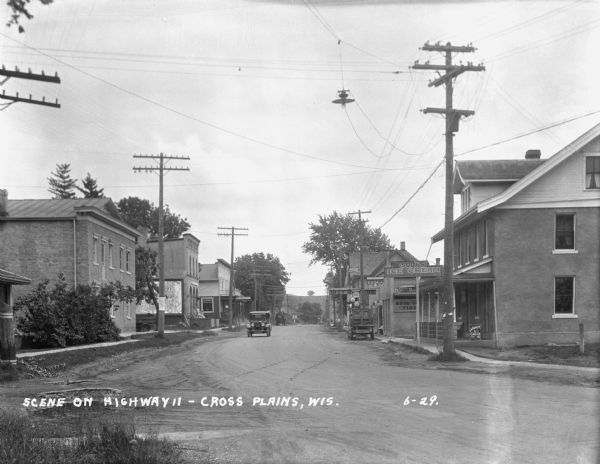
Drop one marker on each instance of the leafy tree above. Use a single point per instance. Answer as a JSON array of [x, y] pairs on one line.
[[19, 9], [140, 212], [146, 270], [309, 313], [335, 236], [61, 183], [310, 293], [90, 188], [268, 273]]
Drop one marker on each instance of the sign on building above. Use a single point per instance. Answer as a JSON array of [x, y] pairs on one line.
[[414, 270]]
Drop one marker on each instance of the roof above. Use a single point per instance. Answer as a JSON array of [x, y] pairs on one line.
[[66, 209], [542, 168], [7, 277], [376, 260], [492, 170], [58, 208]]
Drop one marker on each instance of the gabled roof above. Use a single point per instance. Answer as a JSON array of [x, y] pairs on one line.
[[510, 170], [541, 170], [374, 261], [7, 277]]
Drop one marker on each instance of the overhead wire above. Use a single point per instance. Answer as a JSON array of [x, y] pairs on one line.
[[187, 116]]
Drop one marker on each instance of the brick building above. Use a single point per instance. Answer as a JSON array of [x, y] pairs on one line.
[[83, 239], [527, 246]]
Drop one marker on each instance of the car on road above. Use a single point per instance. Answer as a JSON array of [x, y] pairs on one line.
[[259, 322]]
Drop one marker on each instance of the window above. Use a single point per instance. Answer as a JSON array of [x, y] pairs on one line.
[[128, 307], [565, 232], [563, 295], [95, 249], [592, 172], [463, 248], [472, 244], [110, 255], [465, 199], [103, 253], [127, 260], [207, 305], [121, 256]]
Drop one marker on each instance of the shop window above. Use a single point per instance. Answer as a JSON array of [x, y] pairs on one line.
[[207, 305], [564, 290], [592, 172], [565, 232]]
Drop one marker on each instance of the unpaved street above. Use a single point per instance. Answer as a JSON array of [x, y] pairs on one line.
[[364, 414]]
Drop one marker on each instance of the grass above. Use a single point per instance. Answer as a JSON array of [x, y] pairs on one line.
[[56, 363], [25, 440]]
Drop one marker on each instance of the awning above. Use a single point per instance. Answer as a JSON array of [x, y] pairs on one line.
[[7, 277]]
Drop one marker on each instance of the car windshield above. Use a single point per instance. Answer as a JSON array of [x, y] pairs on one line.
[[259, 316]]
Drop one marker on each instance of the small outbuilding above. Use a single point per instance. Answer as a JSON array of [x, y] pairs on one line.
[[8, 352]]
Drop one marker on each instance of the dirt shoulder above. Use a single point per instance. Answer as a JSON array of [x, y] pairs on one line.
[[414, 357], [545, 354]]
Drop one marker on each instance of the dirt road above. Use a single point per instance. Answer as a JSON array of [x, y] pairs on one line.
[[304, 395]]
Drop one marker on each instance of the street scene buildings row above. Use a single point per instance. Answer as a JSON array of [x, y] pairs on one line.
[[526, 256]]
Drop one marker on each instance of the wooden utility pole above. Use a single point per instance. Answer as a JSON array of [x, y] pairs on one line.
[[233, 232], [161, 168], [452, 121], [32, 77], [362, 240]]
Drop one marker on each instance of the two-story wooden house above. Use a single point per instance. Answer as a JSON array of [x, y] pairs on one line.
[[83, 239], [527, 246]]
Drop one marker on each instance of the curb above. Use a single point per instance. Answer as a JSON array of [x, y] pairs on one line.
[[474, 358]]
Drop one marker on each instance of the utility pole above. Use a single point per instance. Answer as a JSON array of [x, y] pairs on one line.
[[233, 231], [452, 122], [162, 169], [362, 240], [32, 77], [258, 271]]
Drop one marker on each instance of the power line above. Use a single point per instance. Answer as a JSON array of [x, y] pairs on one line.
[[187, 116]]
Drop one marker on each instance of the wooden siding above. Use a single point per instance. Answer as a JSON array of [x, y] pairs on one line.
[[564, 183]]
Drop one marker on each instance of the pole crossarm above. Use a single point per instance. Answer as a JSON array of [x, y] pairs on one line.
[[449, 111], [16, 98], [448, 47], [30, 76]]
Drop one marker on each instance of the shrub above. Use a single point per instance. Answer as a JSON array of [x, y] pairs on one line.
[[62, 316]]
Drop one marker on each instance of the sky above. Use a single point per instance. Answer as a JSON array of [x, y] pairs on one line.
[[244, 88]]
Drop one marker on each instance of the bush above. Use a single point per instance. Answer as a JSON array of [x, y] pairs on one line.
[[63, 316]]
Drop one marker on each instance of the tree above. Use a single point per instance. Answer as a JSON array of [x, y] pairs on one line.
[[334, 237], [268, 273], [61, 183], [309, 313], [310, 293], [146, 271], [90, 188], [142, 213], [19, 9]]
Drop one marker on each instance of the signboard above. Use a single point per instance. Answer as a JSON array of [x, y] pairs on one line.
[[414, 271], [340, 291]]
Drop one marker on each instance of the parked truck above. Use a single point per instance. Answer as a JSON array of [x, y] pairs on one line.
[[360, 322]]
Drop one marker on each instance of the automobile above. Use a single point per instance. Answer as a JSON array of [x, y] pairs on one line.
[[259, 322]]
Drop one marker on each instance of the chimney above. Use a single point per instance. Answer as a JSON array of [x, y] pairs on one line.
[[437, 261], [403, 245], [533, 154], [3, 202]]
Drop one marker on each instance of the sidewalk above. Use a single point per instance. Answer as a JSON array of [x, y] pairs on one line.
[[435, 350], [125, 335]]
